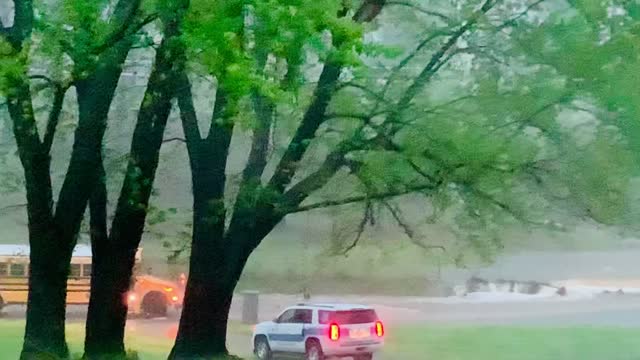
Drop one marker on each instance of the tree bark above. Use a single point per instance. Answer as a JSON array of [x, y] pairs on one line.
[[107, 315], [203, 325], [44, 332], [52, 236], [218, 256], [114, 256], [106, 318], [208, 294], [202, 331]]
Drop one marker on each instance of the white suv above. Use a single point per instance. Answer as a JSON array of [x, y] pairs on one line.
[[320, 331]]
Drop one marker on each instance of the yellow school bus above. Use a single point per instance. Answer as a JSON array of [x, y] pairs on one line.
[[148, 295]]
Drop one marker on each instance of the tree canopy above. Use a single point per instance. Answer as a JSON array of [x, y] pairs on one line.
[[487, 114]]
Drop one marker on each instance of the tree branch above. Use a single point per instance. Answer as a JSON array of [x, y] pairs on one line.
[[178, 139], [267, 214], [188, 113], [315, 181], [419, 170], [406, 228], [404, 62], [220, 124], [313, 118], [522, 14], [12, 207], [257, 161], [364, 89], [447, 103], [524, 122], [127, 29], [436, 59], [361, 198], [480, 51], [46, 79], [366, 217], [59, 92], [123, 17], [369, 10], [315, 114], [503, 206], [418, 8], [365, 117], [22, 23], [98, 212], [54, 116]]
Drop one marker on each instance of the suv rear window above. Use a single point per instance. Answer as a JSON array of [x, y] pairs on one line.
[[348, 317]]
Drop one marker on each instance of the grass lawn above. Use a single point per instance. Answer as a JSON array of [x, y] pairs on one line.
[[512, 343], [11, 333], [420, 343]]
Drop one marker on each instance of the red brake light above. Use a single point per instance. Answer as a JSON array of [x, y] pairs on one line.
[[334, 332], [379, 329]]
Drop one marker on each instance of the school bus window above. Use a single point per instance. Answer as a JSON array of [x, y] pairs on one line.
[[75, 270], [86, 270], [17, 270], [4, 268]]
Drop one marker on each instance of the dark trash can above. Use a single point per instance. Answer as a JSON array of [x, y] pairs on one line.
[[250, 307]]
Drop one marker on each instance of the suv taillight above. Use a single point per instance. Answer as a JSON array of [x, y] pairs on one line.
[[379, 329], [334, 332]]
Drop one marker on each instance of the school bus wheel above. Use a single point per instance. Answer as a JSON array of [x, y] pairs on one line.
[[154, 304]]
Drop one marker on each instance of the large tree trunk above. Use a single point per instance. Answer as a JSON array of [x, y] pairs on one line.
[[52, 236], [114, 255], [106, 319], [218, 257], [44, 333], [203, 325], [215, 268], [109, 281]]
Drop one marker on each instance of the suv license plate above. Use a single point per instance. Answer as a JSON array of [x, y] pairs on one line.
[[358, 333]]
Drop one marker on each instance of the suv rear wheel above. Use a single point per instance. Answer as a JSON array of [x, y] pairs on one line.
[[262, 349], [154, 304], [314, 351]]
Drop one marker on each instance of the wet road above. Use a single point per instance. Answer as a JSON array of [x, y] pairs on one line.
[[610, 311]]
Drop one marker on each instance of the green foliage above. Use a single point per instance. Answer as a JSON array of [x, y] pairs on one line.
[[599, 53], [12, 66], [213, 33], [503, 136], [243, 43], [491, 127], [601, 192]]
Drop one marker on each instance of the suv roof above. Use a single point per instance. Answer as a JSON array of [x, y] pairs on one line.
[[336, 306]]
